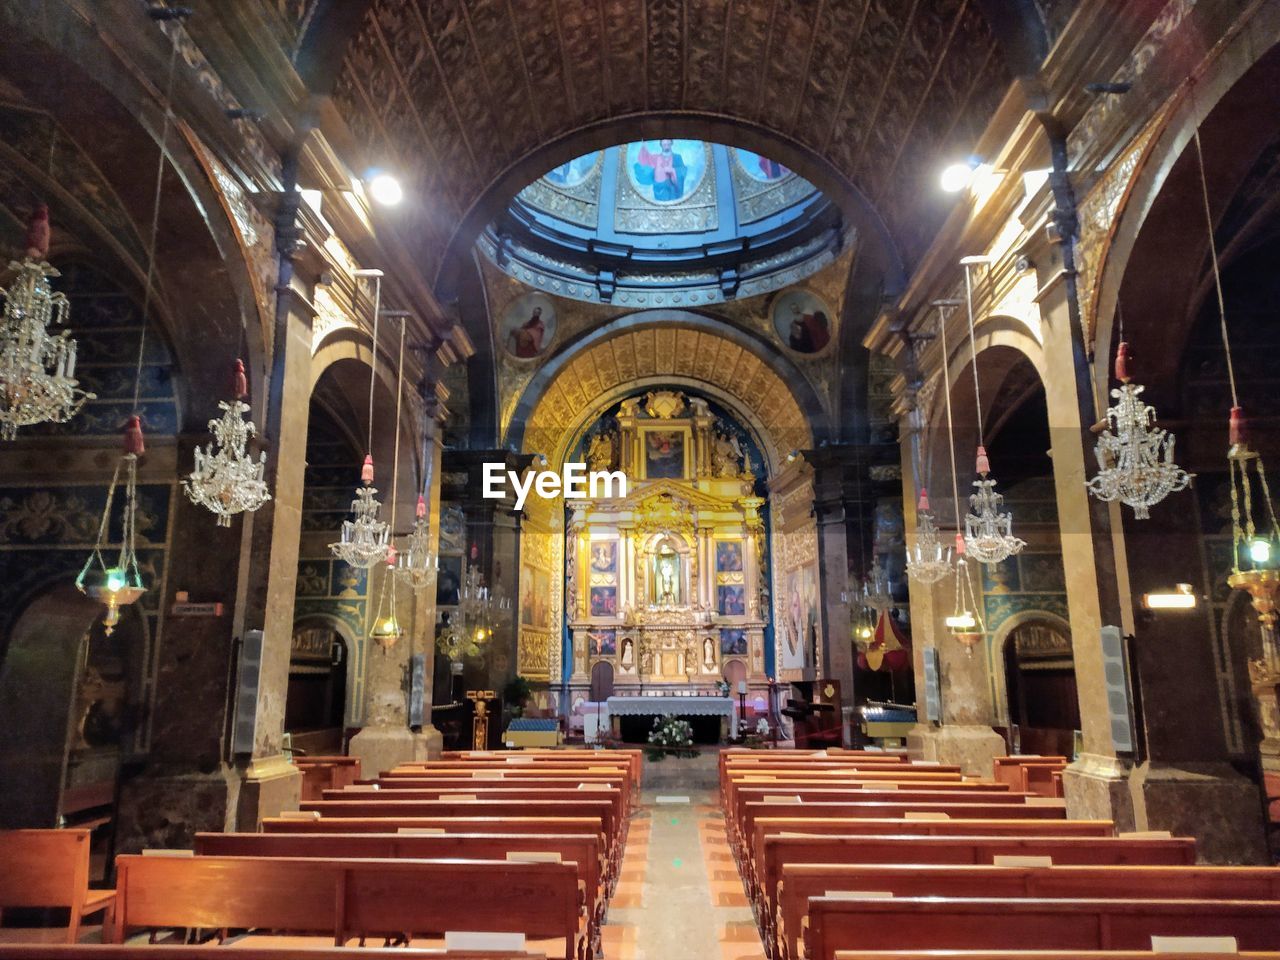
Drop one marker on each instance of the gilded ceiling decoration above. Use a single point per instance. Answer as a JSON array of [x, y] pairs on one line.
[[666, 353], [455, 92]]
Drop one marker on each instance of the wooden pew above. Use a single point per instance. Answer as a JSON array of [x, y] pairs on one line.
[[802, 881], [582, 849], [326, 773], [751, 865], [488, 791], [343, 899], [484, 779], [634, 758], [519, 759], [113, 951], [1040, 955], [50, 868], [882, 772], [606, 810], [1013, 769], [1028, 924]]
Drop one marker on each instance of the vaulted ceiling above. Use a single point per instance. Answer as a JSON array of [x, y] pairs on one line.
[[472, 98]]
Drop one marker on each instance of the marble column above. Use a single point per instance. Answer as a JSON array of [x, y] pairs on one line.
[[386, 739], [963, 732]]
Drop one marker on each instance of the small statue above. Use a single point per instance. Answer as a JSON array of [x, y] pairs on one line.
[[600, 452], [726, 455], [666, 582], [708, 653]]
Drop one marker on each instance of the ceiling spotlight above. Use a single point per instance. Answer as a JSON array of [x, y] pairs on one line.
[[957, 177], [386, 190]]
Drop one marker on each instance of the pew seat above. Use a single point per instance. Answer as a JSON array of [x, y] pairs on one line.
[[346, 898], [114, 951], [1040, 955], [908, 923], [50, 868], [801, 881]]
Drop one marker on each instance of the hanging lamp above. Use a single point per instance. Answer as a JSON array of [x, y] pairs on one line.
[[37, 366], [386, 629], [1135, 457], [121, 585], [965, 621], [929, 559], [366, 540], [988, 530], [226, 479]]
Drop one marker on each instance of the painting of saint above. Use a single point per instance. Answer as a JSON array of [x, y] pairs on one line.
[[793, 622], [448, 581], [604, 601], [728, 556], [528, 326], [604, 557], [802, 321], [541, 598], [573, 172], [664, 455], [526, 597], [731, 600], [761, 168], [733, 642], [602, 643], [668, 170]]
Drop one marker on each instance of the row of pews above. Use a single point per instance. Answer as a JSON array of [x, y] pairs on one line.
[[846, 854], [522, 843]]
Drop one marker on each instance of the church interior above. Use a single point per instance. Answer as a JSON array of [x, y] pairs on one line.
[[639, 479]]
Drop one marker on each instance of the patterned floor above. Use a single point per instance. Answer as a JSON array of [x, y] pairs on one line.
[[679, 894]]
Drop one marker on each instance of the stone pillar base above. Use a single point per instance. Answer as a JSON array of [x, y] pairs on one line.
[[1208, 801], [973, 747], [428, 743], [270, 785], [166, 805], [382, 747], [1097, 788]]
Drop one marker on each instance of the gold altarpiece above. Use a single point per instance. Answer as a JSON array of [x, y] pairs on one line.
[[665, 584]]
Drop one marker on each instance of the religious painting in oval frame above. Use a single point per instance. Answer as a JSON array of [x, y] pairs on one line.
[[803, 321], [666, 171], [528, 326], [761, 168]]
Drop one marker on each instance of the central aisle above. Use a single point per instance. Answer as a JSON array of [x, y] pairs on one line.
[[679, 895]]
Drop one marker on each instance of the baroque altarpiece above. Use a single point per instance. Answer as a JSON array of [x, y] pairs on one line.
[[667, 584]]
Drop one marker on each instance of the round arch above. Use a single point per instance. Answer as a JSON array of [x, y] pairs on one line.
[[636, 350], [1246, 68], [1002, 635]]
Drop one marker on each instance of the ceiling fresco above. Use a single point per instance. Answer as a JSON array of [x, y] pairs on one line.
[[458, 93]]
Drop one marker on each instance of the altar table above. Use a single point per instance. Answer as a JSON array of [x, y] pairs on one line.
[[723, 707]]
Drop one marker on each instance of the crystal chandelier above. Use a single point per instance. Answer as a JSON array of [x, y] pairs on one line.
[[416, 564], [988, 531], [226, 479], [470, 626], [365, 540], [120, 584], [37, 368], [1135, 457], [876, 595], [928, 558]]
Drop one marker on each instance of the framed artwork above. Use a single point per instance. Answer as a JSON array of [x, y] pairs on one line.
[[733, 641], [728, 556], [602, 643], [760, 168], [541, 598], [666, 171], [603, 601], [802, 321], [526, 596], [664, 454], [731, 600], [573, 172], [604, 556], [528, 326]]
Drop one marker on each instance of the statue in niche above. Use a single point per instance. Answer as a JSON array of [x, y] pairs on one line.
[[666, 577], [726, 455], [600, 452], [708, 654], [628, 653]]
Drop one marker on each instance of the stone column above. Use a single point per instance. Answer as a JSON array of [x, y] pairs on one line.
[[963, 735], [386, 739]]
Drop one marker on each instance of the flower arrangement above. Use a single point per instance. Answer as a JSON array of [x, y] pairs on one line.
[[722, 687], [671, 735]]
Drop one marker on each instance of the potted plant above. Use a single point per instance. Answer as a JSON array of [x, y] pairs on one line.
[[516, 694]]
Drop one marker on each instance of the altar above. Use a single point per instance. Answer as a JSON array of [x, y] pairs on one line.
[[657, 706]]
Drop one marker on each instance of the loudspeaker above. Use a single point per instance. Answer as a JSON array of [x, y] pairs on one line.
[[417, 690], [1115, 673], [246, 709], [932, 687]]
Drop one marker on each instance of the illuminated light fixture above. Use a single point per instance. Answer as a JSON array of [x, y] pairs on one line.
[[1181, 597], [386, 189], [1260, 550], [416, 564], [957, 177], [386, 629], [965, 623], [226, 479], [988, 530]]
